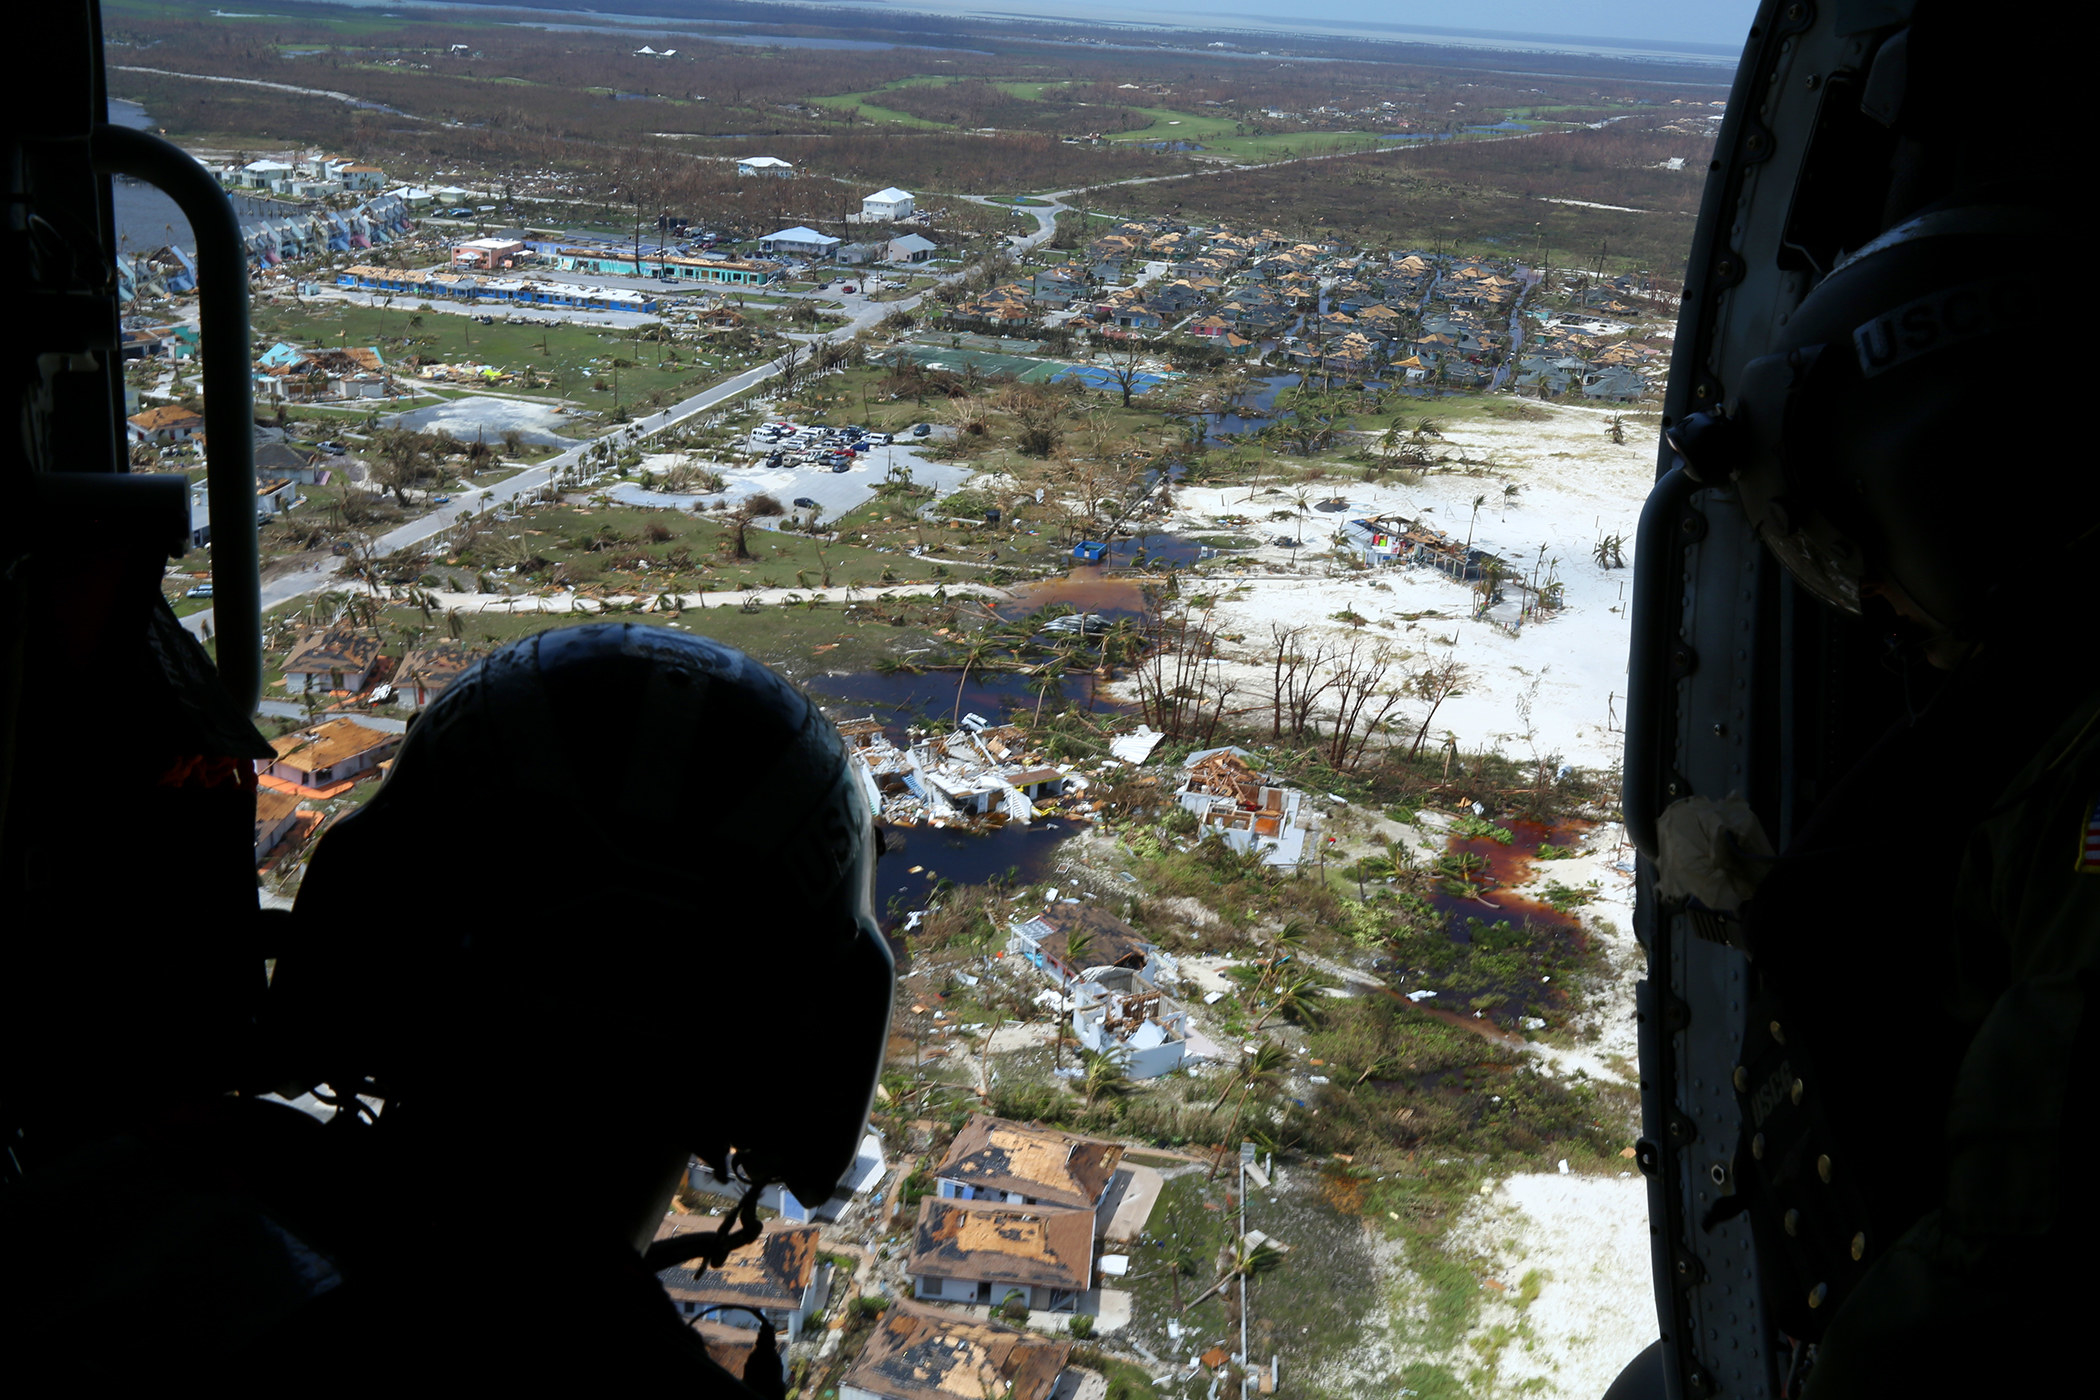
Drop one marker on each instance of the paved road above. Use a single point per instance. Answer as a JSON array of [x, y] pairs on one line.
[[297, 583]]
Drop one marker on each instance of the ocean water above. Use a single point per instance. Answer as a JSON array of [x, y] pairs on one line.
[[147, 219]]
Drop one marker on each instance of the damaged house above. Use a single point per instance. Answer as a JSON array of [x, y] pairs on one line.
[[1236, 802], [973, 774], [994, 1159], [921, 1354], [1114, 979], [1116, 1012], [778, 1274], [984, 1252], [1103, 941]]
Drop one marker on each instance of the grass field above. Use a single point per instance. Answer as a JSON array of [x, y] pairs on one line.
[[575, 361], [869, 106]]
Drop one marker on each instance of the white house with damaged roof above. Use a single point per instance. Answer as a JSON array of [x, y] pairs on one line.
[[995, 1159], [1239, 804], [1113, 975], [799, 242], [985, 1252]]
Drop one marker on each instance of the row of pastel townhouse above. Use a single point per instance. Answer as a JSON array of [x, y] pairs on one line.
[[519, 291], [269, 241]]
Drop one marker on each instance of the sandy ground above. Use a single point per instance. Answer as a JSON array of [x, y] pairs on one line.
[[1569, 673], [1587, 1238], [1556, 690]]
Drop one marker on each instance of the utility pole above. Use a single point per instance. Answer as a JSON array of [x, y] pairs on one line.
[[1246, 1361]]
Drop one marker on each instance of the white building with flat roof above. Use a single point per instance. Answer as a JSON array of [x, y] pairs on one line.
[[887, 206], [765, 165]]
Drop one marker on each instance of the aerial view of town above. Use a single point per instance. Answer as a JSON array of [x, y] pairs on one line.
[[1196, 470]]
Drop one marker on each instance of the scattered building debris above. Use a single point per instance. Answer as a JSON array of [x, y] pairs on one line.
[[1242, 806], [923, 1354]]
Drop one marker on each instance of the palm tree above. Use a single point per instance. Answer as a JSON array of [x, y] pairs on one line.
[[1259, 1259], [1104, 1077], [976, 653], [1076, 945], [1478, 502], [1257, 1070], [1509, 494], [1261, 1063], [1392, 440], [1047, 678], [984, 1056], [1296, 997]]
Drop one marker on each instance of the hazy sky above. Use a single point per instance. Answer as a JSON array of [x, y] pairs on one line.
[[1683, 21], [1723, 22]]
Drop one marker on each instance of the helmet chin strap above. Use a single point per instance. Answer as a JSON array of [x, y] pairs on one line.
[[737, 1229]]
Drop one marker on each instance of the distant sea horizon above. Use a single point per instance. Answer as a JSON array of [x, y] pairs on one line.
[[1143, 19]]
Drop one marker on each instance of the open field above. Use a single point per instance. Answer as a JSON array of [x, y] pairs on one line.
[[575, 115], [560, 362]]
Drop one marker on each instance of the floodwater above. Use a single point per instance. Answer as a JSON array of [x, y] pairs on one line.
[[1262, 400], [903, 698], [1468, 914], [146, 219], [1027, 854], [1086, 588], [1155, 549]]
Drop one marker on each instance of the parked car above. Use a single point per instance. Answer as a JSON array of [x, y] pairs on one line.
[[441, 500], [921, 429], [841, 466], [804, 503], [333, 449], [202, 590]]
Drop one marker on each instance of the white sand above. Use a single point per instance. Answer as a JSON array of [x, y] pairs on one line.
[[1587, 1238], [1575, 484]]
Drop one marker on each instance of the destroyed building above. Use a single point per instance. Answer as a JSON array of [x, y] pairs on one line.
[[1114, 978], [1116, 1012], [1047, 941], [922, 1354], [1238, 803], [975, 774]]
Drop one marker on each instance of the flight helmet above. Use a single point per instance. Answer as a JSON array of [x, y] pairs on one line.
[[631, 859], [1856, 443]]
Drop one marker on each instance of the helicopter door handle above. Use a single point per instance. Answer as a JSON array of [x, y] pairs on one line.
[[229, 421]]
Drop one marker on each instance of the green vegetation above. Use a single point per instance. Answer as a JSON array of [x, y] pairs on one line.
[[600, 369]]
